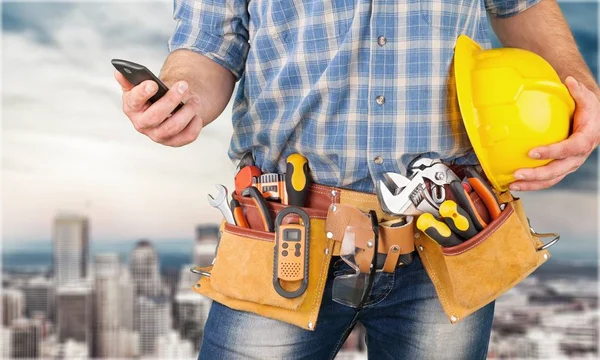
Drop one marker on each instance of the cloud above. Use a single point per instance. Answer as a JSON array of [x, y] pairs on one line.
[[66, 142]]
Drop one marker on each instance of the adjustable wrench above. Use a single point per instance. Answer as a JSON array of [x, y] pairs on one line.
[[221, 203], [411, 196]]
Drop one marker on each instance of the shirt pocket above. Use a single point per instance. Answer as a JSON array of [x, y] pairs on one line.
[[292, 22], [452, 16]]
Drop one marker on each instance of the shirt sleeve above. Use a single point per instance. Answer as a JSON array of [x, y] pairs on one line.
[[217, 29], [508, 8]]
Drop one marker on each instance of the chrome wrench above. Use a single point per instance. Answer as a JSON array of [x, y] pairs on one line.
[[409, 196], [221, 203]]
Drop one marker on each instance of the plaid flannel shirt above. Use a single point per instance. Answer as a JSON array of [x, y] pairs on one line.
[[359, 87]]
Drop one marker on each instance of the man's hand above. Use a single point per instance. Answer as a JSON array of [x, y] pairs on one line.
[[568, 154], [155, 121]]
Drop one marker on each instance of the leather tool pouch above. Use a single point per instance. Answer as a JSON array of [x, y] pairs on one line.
[[476, 272], [241, 276]]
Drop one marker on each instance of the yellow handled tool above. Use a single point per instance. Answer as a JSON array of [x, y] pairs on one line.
[[437, 230], [296, 179], [457, 219]]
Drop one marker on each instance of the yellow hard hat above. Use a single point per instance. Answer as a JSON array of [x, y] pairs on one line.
[[511, 101]]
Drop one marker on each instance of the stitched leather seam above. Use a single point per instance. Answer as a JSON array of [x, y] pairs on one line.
[[321, 285], [242, 233], [310, 216], [434, 279], [493, 229]]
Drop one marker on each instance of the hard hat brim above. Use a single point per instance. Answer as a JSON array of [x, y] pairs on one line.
[[464, 61]]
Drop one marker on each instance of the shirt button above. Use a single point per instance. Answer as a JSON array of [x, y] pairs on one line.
[[380, 99], [378, 160], [381, 40]]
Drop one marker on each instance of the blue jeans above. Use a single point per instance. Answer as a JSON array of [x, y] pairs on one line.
[[403, 320]]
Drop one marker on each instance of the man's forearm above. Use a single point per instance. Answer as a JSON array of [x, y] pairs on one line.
[[543, 30], [210, 81]]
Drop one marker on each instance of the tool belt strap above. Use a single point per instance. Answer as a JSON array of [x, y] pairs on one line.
[[392, 240]]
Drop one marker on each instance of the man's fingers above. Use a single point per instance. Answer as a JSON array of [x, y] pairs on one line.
[[135, 99], [125, 84], [584, 98], [161, 109], [578, 144], [176, 123], [534, 185], [553, 170], [188, 135]]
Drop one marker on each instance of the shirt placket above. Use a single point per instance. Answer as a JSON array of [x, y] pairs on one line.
[[379, 153]]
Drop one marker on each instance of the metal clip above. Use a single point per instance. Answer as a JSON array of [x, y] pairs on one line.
[[545, 235], [199, 272]]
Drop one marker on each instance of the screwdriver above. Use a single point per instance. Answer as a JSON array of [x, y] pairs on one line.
[[296, 179], [437, 230], [457, 219]]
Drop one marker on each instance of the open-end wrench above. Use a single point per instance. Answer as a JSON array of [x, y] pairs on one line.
[[221, 203]]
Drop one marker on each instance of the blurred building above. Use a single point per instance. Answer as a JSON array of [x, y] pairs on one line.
[[70, 242], [191, 309], [74, 314], [127, 344], [154, 321], [172, 346], [145, 270], [39, 297], [72, 350], [106, 305], [126, 300], [206, 244], [5, 342], [13, 305], [25, 338]]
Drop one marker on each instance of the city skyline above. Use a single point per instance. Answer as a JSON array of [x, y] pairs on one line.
[[104, 305]]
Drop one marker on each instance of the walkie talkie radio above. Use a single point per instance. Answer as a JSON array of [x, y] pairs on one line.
[[291, 251]]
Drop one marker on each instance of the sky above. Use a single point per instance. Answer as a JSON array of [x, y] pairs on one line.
[[67, 147]]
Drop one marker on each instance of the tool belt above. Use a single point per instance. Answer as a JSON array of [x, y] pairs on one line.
[[466, 277]]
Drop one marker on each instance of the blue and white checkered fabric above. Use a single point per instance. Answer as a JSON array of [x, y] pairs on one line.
[[359, 87]]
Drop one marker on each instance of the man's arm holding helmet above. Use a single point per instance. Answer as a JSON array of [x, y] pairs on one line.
[[543, 30]]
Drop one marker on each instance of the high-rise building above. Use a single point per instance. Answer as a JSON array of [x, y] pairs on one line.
[[13, 305], [75, 313], [6, 342], [70, 242], [206, 244], [26, 339], [171, 346], [126, 300], [106, 305], [191, 309], [154, 321], [128, 344], [145, 271], [39, 297], [72, 349]]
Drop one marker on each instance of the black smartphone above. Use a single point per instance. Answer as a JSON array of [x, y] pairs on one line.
[[136, 74]]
